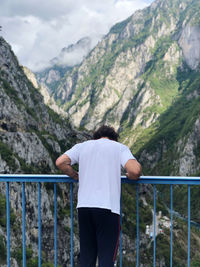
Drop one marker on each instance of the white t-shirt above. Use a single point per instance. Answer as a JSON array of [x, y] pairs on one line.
[[100, 164]]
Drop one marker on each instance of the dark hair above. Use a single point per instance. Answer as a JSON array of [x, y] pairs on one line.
[[105, 131]]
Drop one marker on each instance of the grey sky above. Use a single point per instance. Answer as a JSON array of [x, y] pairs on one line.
[[38, 29]]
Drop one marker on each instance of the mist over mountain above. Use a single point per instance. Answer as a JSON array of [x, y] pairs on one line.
[[68, 57], [73, 54]]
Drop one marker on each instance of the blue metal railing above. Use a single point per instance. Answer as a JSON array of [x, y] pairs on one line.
[[171, 235], [62, 178]]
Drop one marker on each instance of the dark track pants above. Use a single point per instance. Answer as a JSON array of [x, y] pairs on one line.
[[99, 235]]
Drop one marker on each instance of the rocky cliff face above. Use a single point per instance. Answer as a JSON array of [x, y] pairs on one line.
[[25, 121], [31, 137], [42, 88], [190, 44], [174, 147]]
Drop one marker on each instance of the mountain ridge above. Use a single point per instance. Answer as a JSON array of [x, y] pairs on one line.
[[90, 81]]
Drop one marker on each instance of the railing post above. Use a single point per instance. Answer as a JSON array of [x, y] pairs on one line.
[[154, 226], [39, 225], [55, 225], [188, 225], [8, 222], [171, 240], [72, 223], [24, 223], [120, 243], [138, 244]]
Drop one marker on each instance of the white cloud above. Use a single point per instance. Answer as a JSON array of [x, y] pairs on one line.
[[37, 30]]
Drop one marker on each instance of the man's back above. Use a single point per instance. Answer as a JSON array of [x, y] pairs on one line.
[[99, 172]]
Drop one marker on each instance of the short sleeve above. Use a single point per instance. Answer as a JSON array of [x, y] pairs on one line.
[[125, 155], [73, 153]]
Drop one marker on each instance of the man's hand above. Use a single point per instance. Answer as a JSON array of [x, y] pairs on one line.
[[133, 169], [64, 164]]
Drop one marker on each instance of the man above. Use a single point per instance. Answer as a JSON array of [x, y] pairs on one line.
[[100, 162]]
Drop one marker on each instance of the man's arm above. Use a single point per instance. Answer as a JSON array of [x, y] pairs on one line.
[[133, 169], [64, 164]]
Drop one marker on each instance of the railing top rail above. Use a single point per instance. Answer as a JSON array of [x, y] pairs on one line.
[[55, 178], [66, 179], [164, 180]]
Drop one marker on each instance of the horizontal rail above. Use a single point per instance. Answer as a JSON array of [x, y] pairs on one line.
[[67, 179]]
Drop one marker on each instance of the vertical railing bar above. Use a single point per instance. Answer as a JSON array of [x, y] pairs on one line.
[[171, 239], [188, 225], [55, 225], [154, 226], [39, 224], [8, 222], [120, 241], [72, 223], [24, 223], [138, 225]]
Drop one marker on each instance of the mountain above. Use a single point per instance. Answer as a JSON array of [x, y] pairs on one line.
[[136, 72]]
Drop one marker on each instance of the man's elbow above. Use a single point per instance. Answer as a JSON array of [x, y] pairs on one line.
[[135, 173], [61, 163]]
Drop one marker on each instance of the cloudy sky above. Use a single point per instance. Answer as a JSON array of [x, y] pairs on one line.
[[37, 30]]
